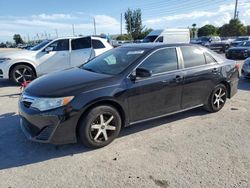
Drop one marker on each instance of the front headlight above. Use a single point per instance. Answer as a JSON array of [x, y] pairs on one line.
[[44, 104], [4, 59]]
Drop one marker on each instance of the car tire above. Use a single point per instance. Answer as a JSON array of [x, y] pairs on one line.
[[22, 73], [217, 99], [100, 126]]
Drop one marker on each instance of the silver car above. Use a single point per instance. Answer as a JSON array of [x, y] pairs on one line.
[[245, 71]]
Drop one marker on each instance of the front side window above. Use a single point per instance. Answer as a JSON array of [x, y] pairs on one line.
[[161, 61], [114, 61], [192, 56], [60, 45], [81, 43], [160, 39]]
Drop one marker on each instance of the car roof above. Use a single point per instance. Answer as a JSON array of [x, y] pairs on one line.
[[155, 45], [77, 37]]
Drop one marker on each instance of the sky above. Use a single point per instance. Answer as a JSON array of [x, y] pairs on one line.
[[35, 19]]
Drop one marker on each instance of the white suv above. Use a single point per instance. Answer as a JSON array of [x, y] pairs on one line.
[[50, 56]]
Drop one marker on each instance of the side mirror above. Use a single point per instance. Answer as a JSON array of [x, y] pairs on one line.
[[141, 73], [48, 49]]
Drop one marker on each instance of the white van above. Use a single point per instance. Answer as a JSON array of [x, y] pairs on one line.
[[169, 36]]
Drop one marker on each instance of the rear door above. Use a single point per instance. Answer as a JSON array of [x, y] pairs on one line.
[[200, 74], [160, 93], [81, 51]]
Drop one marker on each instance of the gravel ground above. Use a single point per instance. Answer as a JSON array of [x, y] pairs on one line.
[[190, 149]]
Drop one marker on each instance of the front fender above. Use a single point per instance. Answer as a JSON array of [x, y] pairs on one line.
[[12, 63]]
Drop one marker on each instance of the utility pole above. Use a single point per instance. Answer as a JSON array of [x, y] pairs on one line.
[[235, 9], [56, 34], [129, 24], [121, 23], [237, 14], [94, 27], [73, 29]]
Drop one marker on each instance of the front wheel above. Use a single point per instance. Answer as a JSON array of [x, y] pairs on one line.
[[217, 99], [100, 126], [22, 73]]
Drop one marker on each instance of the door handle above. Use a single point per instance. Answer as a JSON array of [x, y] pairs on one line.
[[178, 78]]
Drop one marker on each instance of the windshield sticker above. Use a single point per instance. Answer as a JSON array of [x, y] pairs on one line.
[[135, 52]]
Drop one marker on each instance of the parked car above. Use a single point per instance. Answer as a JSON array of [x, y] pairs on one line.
[[245, 71], [124, 86], [239, 40], [219, 46], [50, 56], [206, 40], [241, 51], [168, 36]]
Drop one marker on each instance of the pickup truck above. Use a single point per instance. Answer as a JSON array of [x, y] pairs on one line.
[[49, 56]]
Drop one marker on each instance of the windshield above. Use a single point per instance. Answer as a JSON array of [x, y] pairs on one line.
[[204, 39], [247, 43], [150, 38], [114, 61], [40, 45], [241, 39]]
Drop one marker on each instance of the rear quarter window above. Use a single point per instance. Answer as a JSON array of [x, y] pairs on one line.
[[97, 44]]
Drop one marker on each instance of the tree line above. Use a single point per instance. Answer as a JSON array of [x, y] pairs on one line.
[[135, 29], [233, 28]]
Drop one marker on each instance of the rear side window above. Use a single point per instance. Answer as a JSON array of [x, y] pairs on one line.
[[192, 56], [161, 61], [97, 44], [80, 43]]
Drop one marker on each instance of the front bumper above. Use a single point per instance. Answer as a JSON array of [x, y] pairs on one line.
[[55, 126], [4, 70]]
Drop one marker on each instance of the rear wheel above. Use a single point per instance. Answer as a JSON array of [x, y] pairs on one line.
[[100, 126], [22, 73], [217, 98]]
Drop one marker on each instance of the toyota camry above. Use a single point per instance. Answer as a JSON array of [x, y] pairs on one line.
[[124, 86]]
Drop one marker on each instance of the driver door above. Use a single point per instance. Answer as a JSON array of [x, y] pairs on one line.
[[159, 94], [56, 59]]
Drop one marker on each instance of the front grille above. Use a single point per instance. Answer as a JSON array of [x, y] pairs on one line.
[[33, 130]]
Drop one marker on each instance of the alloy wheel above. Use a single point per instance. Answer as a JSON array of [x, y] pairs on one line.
[[219, 98], [22, 75], [102, 128]]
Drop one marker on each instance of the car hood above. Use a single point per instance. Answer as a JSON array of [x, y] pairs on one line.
[[69, 82], [239, 48], [17, 54]]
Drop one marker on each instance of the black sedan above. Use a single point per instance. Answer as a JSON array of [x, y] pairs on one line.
[[242, 51], [124, 86]]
